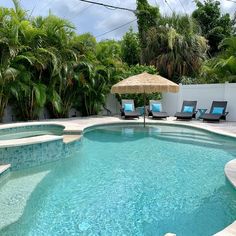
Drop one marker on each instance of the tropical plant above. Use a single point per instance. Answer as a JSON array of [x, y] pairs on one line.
[[234, 24], [215, 25], [147, 16], [174, 50], [223, 67], [44, 63], [59, 77], [9, 51], [94, 88], [130, 48], [97, 76], [29, 89]]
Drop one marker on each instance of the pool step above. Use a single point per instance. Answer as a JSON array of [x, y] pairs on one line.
[[4, 173], [4, 168], [71, 138]]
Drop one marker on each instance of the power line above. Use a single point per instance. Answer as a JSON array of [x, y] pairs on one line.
[[182, 6], [32, 11], [165, 1], [49, 3], [156, 3], [107, 5], [231, 1], [74, 5], [80, 12], [119, 27]]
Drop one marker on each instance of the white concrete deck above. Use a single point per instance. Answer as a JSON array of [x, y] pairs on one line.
[[228, 231], [28, 141], [70, 138], [230, 172], [77, 125]]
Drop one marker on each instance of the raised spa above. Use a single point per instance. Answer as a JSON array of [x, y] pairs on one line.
[[27, 131]]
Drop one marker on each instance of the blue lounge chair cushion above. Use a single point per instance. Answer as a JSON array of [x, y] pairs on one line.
[[128, 107], [156, 107], [218, 110], [188, 109]]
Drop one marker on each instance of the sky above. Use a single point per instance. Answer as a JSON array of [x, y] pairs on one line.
[[98, 20]]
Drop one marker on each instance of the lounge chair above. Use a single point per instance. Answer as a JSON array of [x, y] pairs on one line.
[[155, 110], [188, 111], [217, 112], [128, 109]]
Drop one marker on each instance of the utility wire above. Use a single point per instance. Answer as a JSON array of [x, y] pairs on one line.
[[32, 11], [168, 5], [74, 5], [49, 3], [182, 6], [109, 6], [231, 1], [80, 12], [119, 27]]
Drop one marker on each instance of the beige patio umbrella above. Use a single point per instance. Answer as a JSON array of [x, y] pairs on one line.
[[145, 83]]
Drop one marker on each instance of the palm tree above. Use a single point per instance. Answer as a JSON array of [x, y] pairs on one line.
[[223, 67], [60, 76], [9, 51], [175, 50]]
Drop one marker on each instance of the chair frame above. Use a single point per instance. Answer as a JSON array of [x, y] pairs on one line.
[[157, 115], [133, 114], [184, 115], [215, 117]]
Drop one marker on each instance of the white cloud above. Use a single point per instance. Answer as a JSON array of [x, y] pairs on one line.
[[97, 19]]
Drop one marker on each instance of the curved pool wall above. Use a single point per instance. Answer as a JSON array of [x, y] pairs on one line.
[[33, 145], [21, 157]]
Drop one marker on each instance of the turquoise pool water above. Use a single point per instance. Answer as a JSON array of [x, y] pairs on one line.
[[126, 181]]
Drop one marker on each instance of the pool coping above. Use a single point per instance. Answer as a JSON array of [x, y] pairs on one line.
[[70, 127], [230, 172], [228, 231], [29, 141]]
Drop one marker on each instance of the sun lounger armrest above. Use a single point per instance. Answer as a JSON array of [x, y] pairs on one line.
[[122, 110], [226, 113]]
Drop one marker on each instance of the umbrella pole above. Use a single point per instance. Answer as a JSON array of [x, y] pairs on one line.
[[144, 110]]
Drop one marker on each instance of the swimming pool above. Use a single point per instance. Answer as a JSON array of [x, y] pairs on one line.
[[126, 181]]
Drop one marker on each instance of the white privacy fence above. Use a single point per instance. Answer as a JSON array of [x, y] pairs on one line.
[[204, 94]]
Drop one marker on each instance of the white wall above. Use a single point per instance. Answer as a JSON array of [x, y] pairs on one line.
[[10, 117], [112, 104], [204, 94]]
